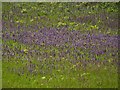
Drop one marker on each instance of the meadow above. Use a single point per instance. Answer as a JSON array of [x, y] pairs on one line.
[[60, 45]]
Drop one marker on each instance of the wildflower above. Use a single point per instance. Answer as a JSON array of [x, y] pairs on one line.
[[84, 74], [62, 78], [43, 77], [50, 56], [50, 79], [41, 84], [25, 51], [31, 20], [58, 70]]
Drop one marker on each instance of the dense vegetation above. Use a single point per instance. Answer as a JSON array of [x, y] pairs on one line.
[[56, 45]]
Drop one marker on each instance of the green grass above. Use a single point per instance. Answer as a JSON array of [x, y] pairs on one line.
[[64, 73], [67, 75], [0, 73], [92, 77], [48, 17]]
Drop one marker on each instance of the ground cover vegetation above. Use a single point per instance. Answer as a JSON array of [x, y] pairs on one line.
[[60, 45]]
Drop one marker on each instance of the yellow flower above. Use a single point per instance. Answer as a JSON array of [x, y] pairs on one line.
[[50, 56], [31, 20], [25, 51], [43, 77]]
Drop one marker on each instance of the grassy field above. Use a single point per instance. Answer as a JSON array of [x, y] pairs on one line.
[[59, 45]]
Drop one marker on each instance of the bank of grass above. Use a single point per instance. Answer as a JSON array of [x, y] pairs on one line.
[[16, 71], [47, 72], [0, 73], [92, 77]]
